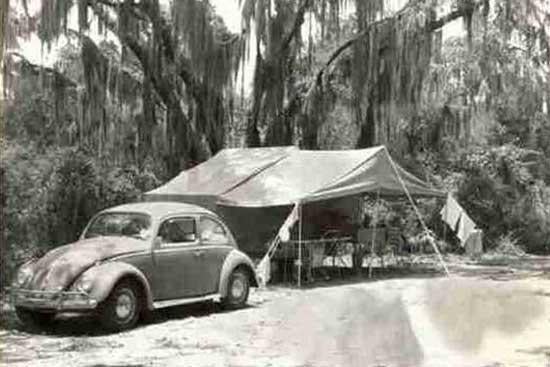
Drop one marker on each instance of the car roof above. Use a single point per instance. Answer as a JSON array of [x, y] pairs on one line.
[[159, 209]]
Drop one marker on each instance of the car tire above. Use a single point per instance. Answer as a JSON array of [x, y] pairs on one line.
[[238, 287], [121, 309], [34, 319]]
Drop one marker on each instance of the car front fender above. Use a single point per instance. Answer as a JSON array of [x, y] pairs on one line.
[[234, 260], [104, 277]]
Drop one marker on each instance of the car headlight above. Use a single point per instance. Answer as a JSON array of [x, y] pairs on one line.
[[23, 275], [84, 284]]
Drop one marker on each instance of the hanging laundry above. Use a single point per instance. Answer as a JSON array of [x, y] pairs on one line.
[[284, 231], [465, 227], [451, 212], [263, 271]]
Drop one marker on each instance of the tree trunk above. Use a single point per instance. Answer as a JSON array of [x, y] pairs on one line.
[[3, 232], [252, 131], [310, 133], [367, 133], [211, 115], [146, 124]]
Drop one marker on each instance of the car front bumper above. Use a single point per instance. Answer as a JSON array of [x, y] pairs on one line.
[[51, 300]]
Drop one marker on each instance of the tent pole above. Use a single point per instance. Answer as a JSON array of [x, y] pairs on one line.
[[373, 227], [299, 245], [285, 279], [445, 226], [422, 223]]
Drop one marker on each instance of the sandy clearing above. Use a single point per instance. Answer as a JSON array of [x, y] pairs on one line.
[[400, 322]]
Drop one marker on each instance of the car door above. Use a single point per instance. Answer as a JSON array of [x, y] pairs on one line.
[[177, 258], [216, 243]]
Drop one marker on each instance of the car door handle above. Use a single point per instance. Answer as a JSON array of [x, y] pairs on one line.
[[198, 253]]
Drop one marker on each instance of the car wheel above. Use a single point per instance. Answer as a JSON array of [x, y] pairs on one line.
[[121, 309], [34, 319], [238, 288]]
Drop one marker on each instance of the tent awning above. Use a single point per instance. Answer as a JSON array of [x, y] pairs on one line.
[[263, 177]]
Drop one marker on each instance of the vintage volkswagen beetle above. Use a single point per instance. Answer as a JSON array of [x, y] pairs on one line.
[[135, 258]]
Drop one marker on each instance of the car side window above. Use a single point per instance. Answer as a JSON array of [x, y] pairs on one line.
[[177, 231], [212, 232]]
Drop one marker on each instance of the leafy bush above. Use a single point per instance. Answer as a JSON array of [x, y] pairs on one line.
[[503, 195], [50, 196]]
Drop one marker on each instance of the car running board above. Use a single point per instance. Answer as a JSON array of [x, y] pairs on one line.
[[185, 301]]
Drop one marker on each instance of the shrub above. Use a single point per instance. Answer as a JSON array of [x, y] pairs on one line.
[[503, 195], [49, 196]]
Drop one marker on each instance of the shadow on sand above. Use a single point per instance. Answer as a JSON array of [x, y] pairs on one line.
[[87, 325]]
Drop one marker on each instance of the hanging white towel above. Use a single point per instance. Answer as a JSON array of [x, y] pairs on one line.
[[263, 271], [465, 227], [284, 231], [451, 212]]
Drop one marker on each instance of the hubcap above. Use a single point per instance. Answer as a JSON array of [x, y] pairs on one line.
[[237, 288], [125, 305]]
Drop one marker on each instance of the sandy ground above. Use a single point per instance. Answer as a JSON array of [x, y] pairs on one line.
[[430, 321]]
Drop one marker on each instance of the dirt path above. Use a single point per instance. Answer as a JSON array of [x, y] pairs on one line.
[[401, 322]]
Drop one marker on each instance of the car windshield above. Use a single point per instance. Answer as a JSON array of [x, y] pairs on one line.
[[135, 225]]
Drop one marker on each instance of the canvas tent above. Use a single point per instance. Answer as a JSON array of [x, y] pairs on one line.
[[254, 189], [269, 177]]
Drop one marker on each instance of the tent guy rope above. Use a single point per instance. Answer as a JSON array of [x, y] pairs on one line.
[[422, 223]]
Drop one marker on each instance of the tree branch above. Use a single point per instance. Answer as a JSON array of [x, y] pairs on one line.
[[40, 68], [439, 23], [137, 48], [116, 5], [432, 26], [334, 55], [183, 68], [298, 21]]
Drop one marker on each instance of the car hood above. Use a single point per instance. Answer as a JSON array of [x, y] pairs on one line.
[[59, 268]]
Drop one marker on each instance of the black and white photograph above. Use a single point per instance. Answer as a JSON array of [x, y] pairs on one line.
[[275, 183]]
